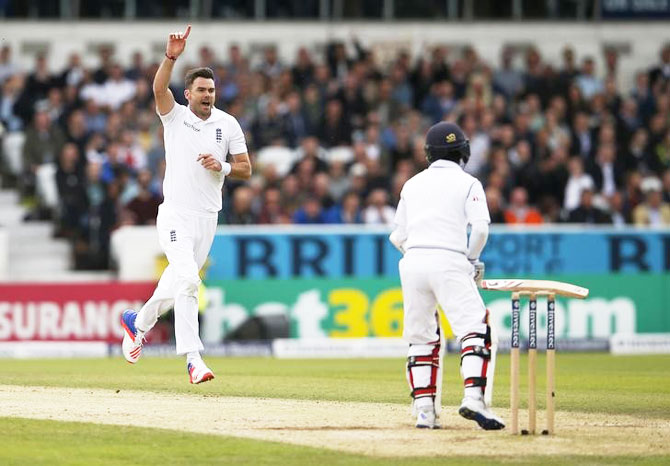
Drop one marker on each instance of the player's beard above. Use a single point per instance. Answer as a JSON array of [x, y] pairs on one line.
[[205, 110], [201, 110]]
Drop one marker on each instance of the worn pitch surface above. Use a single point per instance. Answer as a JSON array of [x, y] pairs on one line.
[[376, 429]]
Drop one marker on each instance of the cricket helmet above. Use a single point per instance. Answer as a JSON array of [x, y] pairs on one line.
[[447, 141]]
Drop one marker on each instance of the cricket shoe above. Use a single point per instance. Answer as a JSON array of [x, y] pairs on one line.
[[198, 372], [426, 418], [133, 339], [474, 409]]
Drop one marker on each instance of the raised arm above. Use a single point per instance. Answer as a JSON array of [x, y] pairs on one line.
[[163, 95]]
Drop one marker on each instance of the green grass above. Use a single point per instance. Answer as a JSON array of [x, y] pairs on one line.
[[638, 386], [32, 442], [584, 382]]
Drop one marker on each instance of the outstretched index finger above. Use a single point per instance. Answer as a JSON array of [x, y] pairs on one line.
[[188, 31]]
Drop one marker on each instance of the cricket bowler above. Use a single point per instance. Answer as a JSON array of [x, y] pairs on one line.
[[198, 138]]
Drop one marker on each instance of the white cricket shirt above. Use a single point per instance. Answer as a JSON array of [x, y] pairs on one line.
[[436, 207], [188, 186]]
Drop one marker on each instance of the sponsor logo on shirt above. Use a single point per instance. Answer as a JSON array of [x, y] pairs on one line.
[[219, 135], [189, 125], [173, 236]]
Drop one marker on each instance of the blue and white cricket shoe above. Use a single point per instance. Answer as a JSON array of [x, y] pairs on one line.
[[198, 372], [132, 338], [426, 418], [475, 410]]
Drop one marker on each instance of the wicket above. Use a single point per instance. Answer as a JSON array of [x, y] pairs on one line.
[[533, 289], [532, 362]]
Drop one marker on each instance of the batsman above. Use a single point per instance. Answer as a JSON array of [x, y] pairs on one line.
[[440, 265]]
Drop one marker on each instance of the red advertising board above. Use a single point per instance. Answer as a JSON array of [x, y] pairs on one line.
[[67, 311]]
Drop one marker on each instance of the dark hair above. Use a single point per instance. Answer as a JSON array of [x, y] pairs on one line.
[[203, 72]]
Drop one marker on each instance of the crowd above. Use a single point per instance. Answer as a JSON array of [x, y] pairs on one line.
[[335, 137]]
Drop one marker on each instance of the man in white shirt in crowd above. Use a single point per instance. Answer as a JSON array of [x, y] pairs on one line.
[[198, 139], [440, 266]]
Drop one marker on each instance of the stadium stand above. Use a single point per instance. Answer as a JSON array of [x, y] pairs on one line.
[[334, 136]]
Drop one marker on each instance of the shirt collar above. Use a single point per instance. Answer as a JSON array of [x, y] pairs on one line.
[[216, 115], [442, 163]]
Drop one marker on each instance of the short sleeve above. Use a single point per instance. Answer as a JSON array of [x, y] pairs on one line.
[[170, 116], [476, 208], [238, 144]]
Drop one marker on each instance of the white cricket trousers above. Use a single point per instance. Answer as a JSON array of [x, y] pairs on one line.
[[186, 240], [432, 276]]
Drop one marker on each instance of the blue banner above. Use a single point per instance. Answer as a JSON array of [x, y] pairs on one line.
[[262, 253], [635, 9]]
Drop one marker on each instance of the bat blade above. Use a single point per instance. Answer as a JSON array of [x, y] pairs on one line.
[[540, 287]]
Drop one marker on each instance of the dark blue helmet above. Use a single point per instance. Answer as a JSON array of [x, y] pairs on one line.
[[447, 141]]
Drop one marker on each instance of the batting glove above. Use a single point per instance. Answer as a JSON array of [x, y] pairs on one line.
[[479, 271]]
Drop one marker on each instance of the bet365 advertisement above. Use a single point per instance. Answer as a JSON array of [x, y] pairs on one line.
[[346, 284]]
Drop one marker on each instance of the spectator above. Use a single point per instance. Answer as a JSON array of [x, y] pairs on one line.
[[519, 211], [74, 73], [296, 125], [347, 212], [240, 212], [132, 154], [402, 149], [338, 62], [508, 80], [321, 190], [643, 96], [143, 208], [310, 151], [137, 68], [117, 89], [7, 67], [92, 247], [334, 130], [71, 192], [653, 211], [11, 91], [638, 157], [661, 72], [606, 172], [311, 212], [616, 211], [661, 153], [586, 212], [666, 185], [272, 210], [494, 202], [440, 102], [37, 87], [303, 70], [236, 64], [577, 183], [101, 74], [268, 128], [44, 141], [378, 211], [583, 143], [588, 83], [339, 181], [568, 71], [271, 66]]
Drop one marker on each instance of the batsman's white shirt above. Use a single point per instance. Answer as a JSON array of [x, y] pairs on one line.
[[433, 214], [186, 220], [188, 186]]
